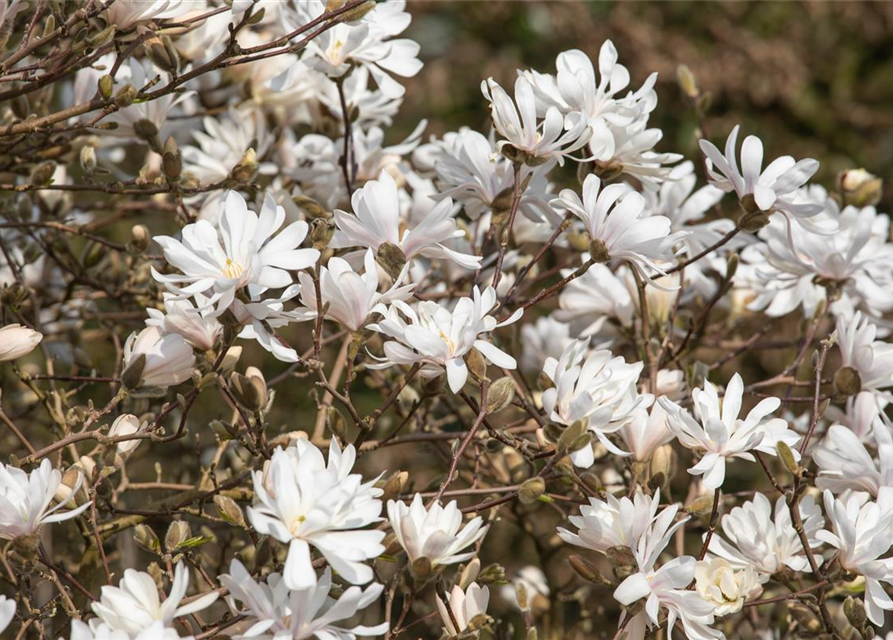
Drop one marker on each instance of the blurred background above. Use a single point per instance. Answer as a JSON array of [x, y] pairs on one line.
[[809, 78]]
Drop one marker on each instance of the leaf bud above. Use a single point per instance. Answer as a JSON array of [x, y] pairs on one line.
[[500, 394], [531, 490]]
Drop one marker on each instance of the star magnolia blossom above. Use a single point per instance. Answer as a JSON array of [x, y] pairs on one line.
[[844, 462], [377, 221], [350, 297], [645, 432], [615, 523], [461, 607], [7, 612], [871, 359], [25, 499], [167, 360], [201, 330], [242, 254], [93, 631], [716, 429], [434, 533], [276, 612], [17, 341], [597, 296], [598, 388], [555, 137], [753, 538], [615, 219], [134, 605], [772, 189], [438, 338], [126, 13], [718, 583], [305, 501], [860, 531]]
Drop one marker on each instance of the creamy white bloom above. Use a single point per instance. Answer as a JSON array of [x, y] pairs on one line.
[[25, 499], [462, 607], [717, 430], [645, 432], [134, 605], [125, 425], [597, 296], [754, 538], [871, 359], [199, 329], [615, 523], [773, 189], [223, 143], [127, 13], [437, 337], [860, 531], [101, 631], [144, 120], [17, 341], [435, 533], [7, 612], [717, 582], [368, 42], [243, 254], [544, 339], [516, 121], [844, 462], [861, 414], [377, 221], [596, 387], [167, 360], [279, 613], [303, 500], [350, 297], [614, 218]]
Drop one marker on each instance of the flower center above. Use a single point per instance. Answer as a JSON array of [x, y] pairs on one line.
[[233, 269], [296, 524], [449, 342]]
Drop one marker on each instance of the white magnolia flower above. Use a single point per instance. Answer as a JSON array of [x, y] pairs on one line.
[[615, 219], [134, 605], [144, 120], [773, 189], [861, 413], [717, 430], [462, 607], [645, 432], [753, 538], [368, 42], [7, 612], [860, 531], [127, 13], [101, 631], [199, 329], [597, 296], [871, 359], [517, 122], [434, 533], [25, 499], [17, 341], [377, 221], [666, 587], [844, 462], [856, 262], [303, 500], [717, 582], [160, 360], [223, 143], [596, 387], [350, 297], [534, 582], [244, 254], [279, 613], [615, 523], [544, 339], [438, 338]]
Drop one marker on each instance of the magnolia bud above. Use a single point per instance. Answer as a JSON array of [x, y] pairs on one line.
[[469, 573], [103, 37], [146, 539], [246, 168], [847, 381], [148, 131], [43, 173], [860, 188], [229, 510], [249, 391], [133, 374], [571, 436], [171, 162], [609, 170], [420, 569], [598, 251], [531, 490], [358, 12], [854, 611], [686, 80], [623, 560], [392, 488], [161, 51], [106, 86], [321, 232], [787, 457], [139, 238], [492, 573], [586, 570], [88, 158], [500, 394], [177, 533], [752, 221], [391, 258], [310, 207], [701, 506]]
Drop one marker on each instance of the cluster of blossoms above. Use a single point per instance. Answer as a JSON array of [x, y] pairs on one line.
[[561, 347]]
